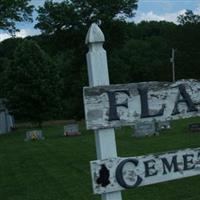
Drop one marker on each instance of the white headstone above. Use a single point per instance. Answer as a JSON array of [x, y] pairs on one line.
[[142, 129], [34, 135], [72, 129], [163, 125], [6, 120]]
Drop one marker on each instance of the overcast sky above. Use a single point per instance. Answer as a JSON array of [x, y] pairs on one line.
[[147, 10]]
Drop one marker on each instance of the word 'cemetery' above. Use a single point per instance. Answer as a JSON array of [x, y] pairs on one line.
[[125, 173]]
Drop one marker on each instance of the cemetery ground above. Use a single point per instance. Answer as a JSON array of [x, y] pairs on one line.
[[57, 168]]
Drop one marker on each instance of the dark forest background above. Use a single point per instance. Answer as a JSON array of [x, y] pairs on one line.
[[42, 77]]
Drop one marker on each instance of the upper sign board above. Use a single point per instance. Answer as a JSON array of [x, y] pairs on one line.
[[119, 105]]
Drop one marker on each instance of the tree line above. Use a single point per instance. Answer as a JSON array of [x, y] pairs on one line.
[[42, 76]]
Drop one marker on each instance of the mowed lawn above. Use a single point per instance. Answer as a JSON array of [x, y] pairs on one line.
[[57, 168]]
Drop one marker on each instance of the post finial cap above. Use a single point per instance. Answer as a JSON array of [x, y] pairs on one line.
[[94, 35]]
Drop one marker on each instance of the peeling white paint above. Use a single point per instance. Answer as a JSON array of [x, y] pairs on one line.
[[131, 172], [159, 93]]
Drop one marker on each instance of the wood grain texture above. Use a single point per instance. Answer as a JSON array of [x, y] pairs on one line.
[[150, 168], [98, 75], [96, 103]]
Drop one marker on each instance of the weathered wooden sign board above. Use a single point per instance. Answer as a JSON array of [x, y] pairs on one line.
[[116, 174], [109, 106], [120, 105]]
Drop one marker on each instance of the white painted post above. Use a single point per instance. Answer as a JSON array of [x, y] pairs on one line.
[[98, 75]]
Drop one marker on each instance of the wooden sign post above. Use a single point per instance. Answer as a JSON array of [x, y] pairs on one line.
[[98, 76], [109, 106]]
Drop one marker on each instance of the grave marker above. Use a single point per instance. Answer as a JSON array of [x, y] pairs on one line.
[[163, 125], [72, 129], [142, 129], [6, 120], [194, 127], [34, 135]]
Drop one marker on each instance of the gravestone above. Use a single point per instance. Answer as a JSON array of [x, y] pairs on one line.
[[34, 135], [142, 129], [72, 129], [163, 125], [6, 120], [194, 127]]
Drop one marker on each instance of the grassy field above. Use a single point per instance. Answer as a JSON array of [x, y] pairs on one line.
[[57, 168]]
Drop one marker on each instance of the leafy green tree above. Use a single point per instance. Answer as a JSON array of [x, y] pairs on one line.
[[188, 17], [74, 77], [140, 60], [8, 46], [187, 55], [67, 15], [33, 87], [12, 11], [7, 49], [56, 16], [4, 63]]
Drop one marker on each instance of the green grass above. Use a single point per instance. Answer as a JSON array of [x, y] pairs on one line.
[[57, 168]]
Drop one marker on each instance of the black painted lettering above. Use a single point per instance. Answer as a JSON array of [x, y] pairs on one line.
[[168, 166], [120, 177], [143, 92], [150, 168], [103, 179], [188, 163], [113, 115], [186, 99], [198, 156]]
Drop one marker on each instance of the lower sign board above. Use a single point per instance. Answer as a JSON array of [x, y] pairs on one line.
[[116, 174]]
